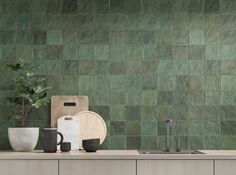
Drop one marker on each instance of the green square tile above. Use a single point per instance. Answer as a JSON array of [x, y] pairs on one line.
[[101, 22], [181, 21], [228, 52], [132, 6], [24, 37], [117, 7], [196, 112], [117, 142], [133, 142], [164, 98], [23, 7], [117, 98], [180, 7], [7, 37], [166, 37], [165, 112], [181, 36], [181, 98], [196, 83], [180, 128], [102, 68], [40, 37], [212, 67], [227, 112], [212, 128], [212, 6], [39, 22], [86, 36], [149, 51], [101, 52], [212, 37], [212, 83], [25, 52], [86, 51], [196, 6], [180, 52], [117, 22], [149, 82], [161, 126], [101, 6], [39, 54], [196, 128], [149, 21], [71, 68], [228, 127], [197, 21], [23, 22], [85, 21], [149, 113], [181, 83], [117, 127], [149, 67], [54, 37], [212, 142], [165, 82], [133, 97], [212, 113], [117, 82], [102, 83], [54, 6], [180, 67], [150, 6], [165, 67], [165, 22], [7, 22], [227, 142], [133, 67], [54, 67], [39, 6], [212, 97], [149, 98], [196, 98], [7, 52], [132, 113], [85, 6], [117, 52], [196, 36], [149, 142], [227, 98], [134, 37], [228, 21], [149, 37], [133, 128], [70, 51], [149, 127], [196, 142], [102, 97], [117, 37], [212, 21], [228, 83], [117, 113], [212, 52], [180, 112], [70, 24], [196, 52], [54, 22], [104, 111], [228, 37], [133, 21], [117, 67], [228, 67], [69, 6], [228, 6], [86, 82], [133, 51], [101, 37], [196, 67]]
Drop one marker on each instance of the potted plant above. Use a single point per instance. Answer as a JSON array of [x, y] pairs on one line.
[[29, 93]]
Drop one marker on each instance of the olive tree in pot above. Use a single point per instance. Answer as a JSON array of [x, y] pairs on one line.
[[29, 92]]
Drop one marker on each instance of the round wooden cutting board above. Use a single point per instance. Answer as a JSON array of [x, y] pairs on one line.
[[92, 125]]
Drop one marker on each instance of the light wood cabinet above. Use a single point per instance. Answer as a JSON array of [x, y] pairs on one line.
[[28, 167], [175, 167], [225, 167], [98, 167]]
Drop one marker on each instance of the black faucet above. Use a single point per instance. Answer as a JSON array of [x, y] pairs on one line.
[[168, 134]]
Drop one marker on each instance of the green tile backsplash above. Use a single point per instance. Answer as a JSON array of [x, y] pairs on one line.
[[139, 61]]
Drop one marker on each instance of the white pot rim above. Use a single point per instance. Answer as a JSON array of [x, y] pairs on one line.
[[23, 128]]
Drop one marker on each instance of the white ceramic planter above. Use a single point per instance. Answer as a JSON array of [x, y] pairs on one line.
[[23, 139]]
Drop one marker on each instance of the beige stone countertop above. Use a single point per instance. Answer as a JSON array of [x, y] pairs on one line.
[[116, 154]]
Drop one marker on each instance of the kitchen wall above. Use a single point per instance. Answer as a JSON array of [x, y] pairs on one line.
[[139, 61]]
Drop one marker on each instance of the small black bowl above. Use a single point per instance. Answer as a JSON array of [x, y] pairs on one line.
[[91, 145], [65, 146]]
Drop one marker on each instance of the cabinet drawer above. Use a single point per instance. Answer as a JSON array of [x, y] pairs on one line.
[[225, 167], [175, 167], [97, 167], [28, 167]]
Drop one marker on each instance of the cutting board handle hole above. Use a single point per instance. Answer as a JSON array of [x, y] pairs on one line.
[[69, 104]]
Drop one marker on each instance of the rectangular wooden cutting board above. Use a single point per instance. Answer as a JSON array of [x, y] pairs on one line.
[[67, 105]]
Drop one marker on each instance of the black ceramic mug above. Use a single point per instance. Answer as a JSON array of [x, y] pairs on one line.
[[50, 140]]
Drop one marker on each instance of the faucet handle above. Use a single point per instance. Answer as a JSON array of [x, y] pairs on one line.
[[169, 121]]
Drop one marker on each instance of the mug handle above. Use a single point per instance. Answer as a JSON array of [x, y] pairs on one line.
[[62, 138]]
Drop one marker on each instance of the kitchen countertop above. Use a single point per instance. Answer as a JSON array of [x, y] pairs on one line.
[[117, 154]]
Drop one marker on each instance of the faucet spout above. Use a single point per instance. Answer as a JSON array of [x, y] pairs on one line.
[[168, 134]]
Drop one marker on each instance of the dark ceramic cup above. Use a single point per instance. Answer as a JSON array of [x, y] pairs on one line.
[[65, 147], [91, 145], [50, 140]]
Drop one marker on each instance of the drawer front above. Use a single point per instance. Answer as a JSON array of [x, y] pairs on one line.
[[175, 167], [28, 167], [97, 167], [225, 167]]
